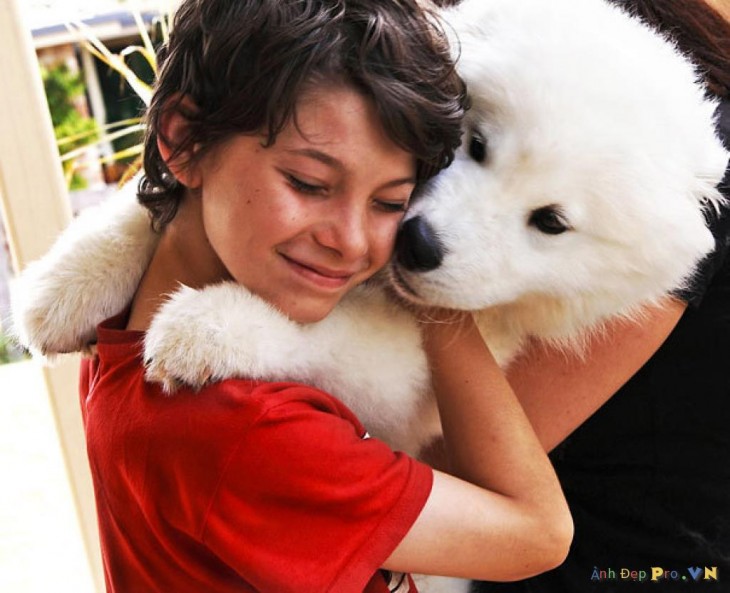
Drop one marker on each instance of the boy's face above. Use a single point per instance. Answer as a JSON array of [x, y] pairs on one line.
[[303, 221]]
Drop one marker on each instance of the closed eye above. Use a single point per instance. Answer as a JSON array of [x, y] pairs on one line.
[[396, 207], [303, 187]]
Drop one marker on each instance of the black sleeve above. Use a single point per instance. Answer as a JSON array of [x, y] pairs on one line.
[[719, 224]]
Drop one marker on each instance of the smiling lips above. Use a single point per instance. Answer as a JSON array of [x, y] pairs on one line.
[[320, 276]]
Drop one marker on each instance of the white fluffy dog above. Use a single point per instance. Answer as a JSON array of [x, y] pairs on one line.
[[578, 195]]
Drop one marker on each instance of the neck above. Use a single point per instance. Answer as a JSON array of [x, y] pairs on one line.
[[183, 256]]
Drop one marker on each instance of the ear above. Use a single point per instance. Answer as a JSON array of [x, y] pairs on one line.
[[173, 132]]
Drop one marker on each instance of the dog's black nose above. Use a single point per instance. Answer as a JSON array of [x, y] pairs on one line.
[[417, 246]]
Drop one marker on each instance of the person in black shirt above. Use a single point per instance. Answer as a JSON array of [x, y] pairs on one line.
[[646, 473]]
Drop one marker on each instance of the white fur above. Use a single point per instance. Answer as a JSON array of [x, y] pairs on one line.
[[89, 274], [582, 107]]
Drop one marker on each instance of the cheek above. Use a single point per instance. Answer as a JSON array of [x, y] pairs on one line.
[[228, 225], [384, 242]]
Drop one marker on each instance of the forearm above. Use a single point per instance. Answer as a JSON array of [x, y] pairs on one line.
[[490, 443], [488, 439], [501, 514]]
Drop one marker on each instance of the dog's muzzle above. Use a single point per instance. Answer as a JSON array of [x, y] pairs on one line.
[[417, 247]]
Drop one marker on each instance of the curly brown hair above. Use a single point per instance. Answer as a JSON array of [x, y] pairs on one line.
[[244, 63]]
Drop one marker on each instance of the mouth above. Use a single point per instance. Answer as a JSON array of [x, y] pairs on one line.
[[322, 277]]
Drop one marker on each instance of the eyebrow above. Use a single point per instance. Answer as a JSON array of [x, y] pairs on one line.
[[331, 161], [318, 155]]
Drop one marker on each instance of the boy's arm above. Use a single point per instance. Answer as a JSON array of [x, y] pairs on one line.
[[502, 514]]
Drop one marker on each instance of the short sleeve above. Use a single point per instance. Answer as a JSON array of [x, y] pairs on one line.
[[718, 222], [309, 505]]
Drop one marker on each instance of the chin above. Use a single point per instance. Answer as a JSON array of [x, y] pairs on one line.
[[309, 314]]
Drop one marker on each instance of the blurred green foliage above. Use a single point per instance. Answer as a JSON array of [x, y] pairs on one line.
[[9, 352], [71, 128]]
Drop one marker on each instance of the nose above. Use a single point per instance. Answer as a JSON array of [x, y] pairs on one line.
[[418, 247], [346, 232]]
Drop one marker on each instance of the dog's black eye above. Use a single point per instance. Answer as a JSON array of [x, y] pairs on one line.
[[549, 220], [478, 146]]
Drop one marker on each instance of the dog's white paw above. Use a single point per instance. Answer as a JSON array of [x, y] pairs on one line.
[[170, 359], [219, 332], [89, 274]]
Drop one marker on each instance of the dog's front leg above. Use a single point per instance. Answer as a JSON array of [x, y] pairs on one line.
[[89, 274], [367, 352]]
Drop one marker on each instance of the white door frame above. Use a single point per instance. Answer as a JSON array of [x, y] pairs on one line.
[[35, 208]]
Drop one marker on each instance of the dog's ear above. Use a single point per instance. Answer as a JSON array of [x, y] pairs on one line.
[[173, 141]]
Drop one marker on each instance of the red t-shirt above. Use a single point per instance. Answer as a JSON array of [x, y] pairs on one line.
[[243, 486]]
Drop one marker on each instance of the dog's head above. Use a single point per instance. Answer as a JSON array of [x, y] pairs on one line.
[[588, 157]]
